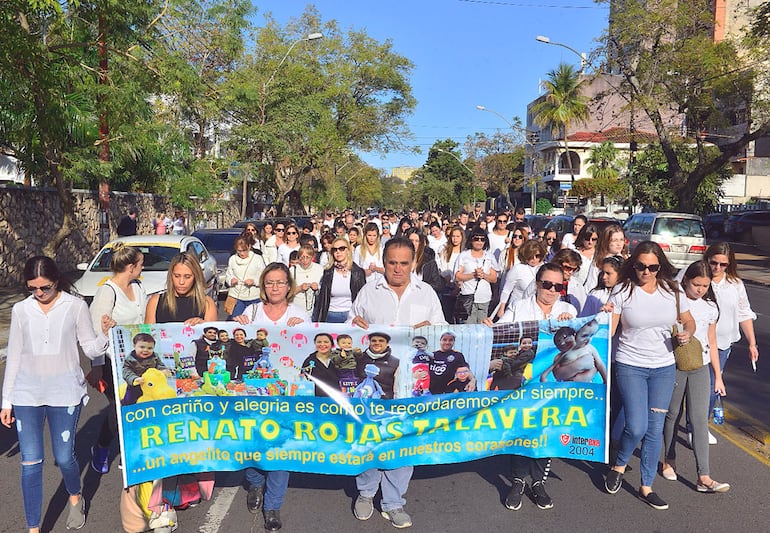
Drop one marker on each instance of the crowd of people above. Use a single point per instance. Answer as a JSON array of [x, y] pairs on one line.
[[417, 269]]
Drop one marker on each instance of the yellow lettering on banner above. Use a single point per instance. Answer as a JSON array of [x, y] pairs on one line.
[[328, 432], [370, 433], [576, 415], [303, 429], [485, 419], [551, 416], [150, 436], [420, 425], [248, 425], [507, 417], [198, 429], [394, 428], [269, 429], [225, 428], [175, 434], [529, 418]]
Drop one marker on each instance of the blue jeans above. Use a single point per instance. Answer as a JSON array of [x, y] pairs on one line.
[[394, 485], [62, 423], [275, 481], [646, 394], [241, 305], [336, 317]]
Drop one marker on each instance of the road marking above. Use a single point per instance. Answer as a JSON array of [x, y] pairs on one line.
[[745, 432], [218, 510]]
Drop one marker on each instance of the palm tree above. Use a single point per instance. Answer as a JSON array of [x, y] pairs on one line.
[[563, 105], [603, 161]]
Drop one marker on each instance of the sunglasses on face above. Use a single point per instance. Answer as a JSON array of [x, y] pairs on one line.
[[291, 233], [550, 239], [548, 285], [44, 289], [478, 239], [518, 236], [568, 268], [278, 229], [593, 239], [339, 248], [502, 221], [641, 267], [718, 264]]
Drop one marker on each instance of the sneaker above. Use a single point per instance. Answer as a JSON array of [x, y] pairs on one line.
[[363, 508], [654, 501], [76, 518], [712, 438], [542, 499], [714, 486], [613, 481], [100, 459], [254, 499], [513, 501], [399, 518], [273, 520]]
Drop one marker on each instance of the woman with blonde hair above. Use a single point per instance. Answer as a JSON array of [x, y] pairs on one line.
[[340, 283], [185, 297], [369, 254]]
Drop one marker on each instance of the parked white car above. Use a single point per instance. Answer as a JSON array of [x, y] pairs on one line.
[[158, 252]]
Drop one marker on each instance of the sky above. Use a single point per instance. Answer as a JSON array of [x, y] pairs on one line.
[[465, 53]]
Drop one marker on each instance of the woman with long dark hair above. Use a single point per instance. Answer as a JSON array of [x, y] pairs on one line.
[[425, 267], [43, 381], [477, 270], [646, 306]]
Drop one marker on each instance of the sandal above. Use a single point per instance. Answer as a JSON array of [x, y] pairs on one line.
[[668, 473], [714, 486]]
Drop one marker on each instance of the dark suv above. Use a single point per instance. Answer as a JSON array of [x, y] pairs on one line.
[[221, 244]]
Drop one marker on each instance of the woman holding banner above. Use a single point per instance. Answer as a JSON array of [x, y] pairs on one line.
[[277, 289], [647, 304], [545, 304]]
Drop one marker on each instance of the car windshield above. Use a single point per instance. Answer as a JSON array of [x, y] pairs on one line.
[[678, 227], [156, 258], [218, 242]]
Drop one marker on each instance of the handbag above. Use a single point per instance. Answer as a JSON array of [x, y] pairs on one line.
[[463, 306], [688, 356]]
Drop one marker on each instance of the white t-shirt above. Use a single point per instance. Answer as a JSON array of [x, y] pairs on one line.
[[256, 313], [516, 282], [284, 251], [497, 244], [340, 299], [646, 320], [705, 313], [568, 241], [481, 287], [527, 309]]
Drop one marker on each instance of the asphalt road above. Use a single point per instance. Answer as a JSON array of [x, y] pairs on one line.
[[466, 496]]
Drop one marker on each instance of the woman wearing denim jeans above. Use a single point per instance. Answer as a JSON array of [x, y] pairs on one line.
[[645, 305], [43, 380], [735, 314]]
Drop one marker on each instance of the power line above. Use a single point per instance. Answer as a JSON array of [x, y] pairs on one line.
[[515, 4]]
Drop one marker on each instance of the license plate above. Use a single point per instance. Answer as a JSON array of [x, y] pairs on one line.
[[679, 248]]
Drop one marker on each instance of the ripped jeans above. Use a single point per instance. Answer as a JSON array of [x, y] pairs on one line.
[[646, 394], [63, 423]]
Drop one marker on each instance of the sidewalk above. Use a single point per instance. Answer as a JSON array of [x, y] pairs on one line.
[[753, 267]]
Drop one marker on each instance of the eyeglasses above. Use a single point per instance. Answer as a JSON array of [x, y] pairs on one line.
[[718, 264], [44, 289], [593, 239], [502, 221], [641, 267], [479, 238], [276, 283], [568, 268], [518, 236], [548, 285], [279, 229], [251, 230], [339, 248], [550, 239], [292, 233]]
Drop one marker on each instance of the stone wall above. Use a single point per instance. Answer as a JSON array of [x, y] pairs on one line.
[[29, 217]]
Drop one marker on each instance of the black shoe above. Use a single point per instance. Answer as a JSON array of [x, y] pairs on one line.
[[613, 481], [273, 520], [254, 499], [542, 499], [654, 501], [513, 501]]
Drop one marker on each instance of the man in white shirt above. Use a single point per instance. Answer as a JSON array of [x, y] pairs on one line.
[[398, 298]]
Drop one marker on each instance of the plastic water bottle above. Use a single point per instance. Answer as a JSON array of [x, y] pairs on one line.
[[719, 411]]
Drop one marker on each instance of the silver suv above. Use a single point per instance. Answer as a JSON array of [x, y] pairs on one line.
[[681, 235]]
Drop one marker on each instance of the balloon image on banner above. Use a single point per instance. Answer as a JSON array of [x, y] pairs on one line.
[[336, 399]]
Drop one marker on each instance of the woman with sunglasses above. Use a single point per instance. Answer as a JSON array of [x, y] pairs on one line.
[[251, 234], [612, 242], [290, 244], [551, 240], [510, 256], [735, 314], [476, 270], [573, 291], [43, 380], [520, 277], [277, 289], [585, 244], [544, 304], [645, 304], [340, 283]]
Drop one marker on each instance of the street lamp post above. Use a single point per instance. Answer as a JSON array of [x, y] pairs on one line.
[[263, 106], [530, 149], [581, 55]]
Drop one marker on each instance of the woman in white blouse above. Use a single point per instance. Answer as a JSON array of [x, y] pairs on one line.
[[518, 278], [43, 380]]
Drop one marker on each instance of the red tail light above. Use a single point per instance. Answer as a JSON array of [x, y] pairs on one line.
[[697, 249], [665, 247]]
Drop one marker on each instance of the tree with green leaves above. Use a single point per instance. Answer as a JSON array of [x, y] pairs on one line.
[[445, 181], [299, 112], [605, 172], [562, 106], [650, 179], [498, 161], [671, 65]]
